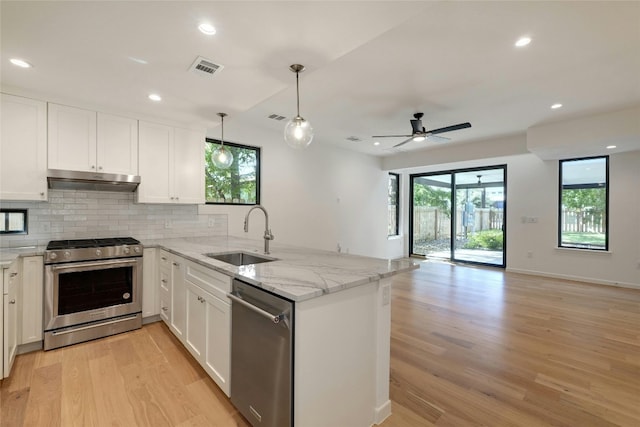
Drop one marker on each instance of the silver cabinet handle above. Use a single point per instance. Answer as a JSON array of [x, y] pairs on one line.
[[165, 308], [99, 168], [164, 258], [275, 318], [12, 301], [176, 264], [93, 167], [164, 280], [13, 274]]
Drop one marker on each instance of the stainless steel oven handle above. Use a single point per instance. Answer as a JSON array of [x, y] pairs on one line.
[[275, 318], [104, 263], [93, 325]]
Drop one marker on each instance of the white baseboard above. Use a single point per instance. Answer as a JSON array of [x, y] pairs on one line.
[[382, 412], [28, 348], [575, 278]]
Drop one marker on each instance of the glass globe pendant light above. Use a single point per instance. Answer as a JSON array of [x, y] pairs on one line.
[[298, 133], [221, 156]]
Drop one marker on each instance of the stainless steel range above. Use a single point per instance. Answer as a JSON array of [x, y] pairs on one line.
[[93, 289]]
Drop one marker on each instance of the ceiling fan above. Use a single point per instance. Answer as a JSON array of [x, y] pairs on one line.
[[420, 134]]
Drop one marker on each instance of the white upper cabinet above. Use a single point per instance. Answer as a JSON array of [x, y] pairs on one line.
[[171, 162], [23, 149], [84, 140], [117, 147]]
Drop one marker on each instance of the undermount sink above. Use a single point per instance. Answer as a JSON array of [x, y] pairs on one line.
[[239, 258]]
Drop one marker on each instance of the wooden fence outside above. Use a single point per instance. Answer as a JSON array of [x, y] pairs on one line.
[[578, 221], [430, 223]]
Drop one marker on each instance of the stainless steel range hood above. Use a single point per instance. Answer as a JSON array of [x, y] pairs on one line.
[[92, 181]]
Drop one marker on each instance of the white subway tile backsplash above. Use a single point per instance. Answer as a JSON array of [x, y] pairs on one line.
[[72, 214]]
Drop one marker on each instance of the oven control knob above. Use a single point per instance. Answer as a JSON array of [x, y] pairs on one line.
[[53, 255], [67, 254], [126, 250], [136, 249], [98, 252]]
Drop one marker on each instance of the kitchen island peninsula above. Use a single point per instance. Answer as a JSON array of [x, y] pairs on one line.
[[340, 320]]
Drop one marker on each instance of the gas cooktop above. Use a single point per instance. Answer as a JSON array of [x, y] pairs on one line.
[[91, 243]]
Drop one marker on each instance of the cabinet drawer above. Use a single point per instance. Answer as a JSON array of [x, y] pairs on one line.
[[217, 284]]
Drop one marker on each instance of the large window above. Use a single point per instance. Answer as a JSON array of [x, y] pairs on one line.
[[584, 203], [240, 183], [394, 204]]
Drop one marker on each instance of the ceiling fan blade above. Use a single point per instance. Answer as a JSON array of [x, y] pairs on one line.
[[403, 142], [449, 128], [437, 138], [391, 136]]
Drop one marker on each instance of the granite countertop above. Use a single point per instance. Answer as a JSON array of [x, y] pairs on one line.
[[297, 274], [8, 255]]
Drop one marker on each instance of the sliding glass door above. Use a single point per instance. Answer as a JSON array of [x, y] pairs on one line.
[[459, 215]]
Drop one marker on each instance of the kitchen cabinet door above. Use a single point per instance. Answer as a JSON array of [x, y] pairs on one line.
[[30, 296], [217, 361], [164, 287], [195, 336], [117, 145], [188, 166], [23, 149], [155, 163], [178, 299], [171, 164], [149, 289], [72, 138], [208, 333], [10, 345]]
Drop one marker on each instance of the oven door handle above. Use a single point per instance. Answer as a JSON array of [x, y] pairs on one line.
[[105, 263]]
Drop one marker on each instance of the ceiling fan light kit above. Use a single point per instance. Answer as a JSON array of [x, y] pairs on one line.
[[420, 134], [222, 157], [298, 133]]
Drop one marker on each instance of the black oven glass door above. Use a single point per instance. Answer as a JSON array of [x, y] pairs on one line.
[[89, 290]]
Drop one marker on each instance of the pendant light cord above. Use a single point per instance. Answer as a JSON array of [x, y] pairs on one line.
[[298, 92]]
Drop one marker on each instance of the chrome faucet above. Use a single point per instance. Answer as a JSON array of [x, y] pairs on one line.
[[267, 232]]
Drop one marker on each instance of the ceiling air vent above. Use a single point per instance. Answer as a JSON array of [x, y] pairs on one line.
[[205, 67], [353, 139], [276, 117]]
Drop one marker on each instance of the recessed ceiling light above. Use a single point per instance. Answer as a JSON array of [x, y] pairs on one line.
[[556, 106], [419, 138], [20, 63], [155, 97], [611, 147], [207, 28], [523, 41], [376, 143]]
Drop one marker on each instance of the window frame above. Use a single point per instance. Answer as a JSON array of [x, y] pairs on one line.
[[397, 203], [562, 187], [25, 219], [258, 151]]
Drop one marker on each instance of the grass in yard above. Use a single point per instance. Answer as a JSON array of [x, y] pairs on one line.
[[593, 239]]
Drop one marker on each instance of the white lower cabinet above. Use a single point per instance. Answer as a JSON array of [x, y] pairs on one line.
[[149, 294], [194, 304], [178, 298], [208, 333], [31, 298], [164, 286], [11, 280]]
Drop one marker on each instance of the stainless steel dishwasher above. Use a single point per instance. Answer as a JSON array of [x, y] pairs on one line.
[[261, 356]]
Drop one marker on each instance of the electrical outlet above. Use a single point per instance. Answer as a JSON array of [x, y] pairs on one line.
[[167, 223]]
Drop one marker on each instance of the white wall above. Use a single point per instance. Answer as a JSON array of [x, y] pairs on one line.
[[320, 197], [532, 191]]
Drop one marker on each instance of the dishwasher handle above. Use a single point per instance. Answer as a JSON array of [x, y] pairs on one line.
[[275, 318]]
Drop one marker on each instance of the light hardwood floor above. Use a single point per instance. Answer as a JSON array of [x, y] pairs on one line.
[[469, 347]]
